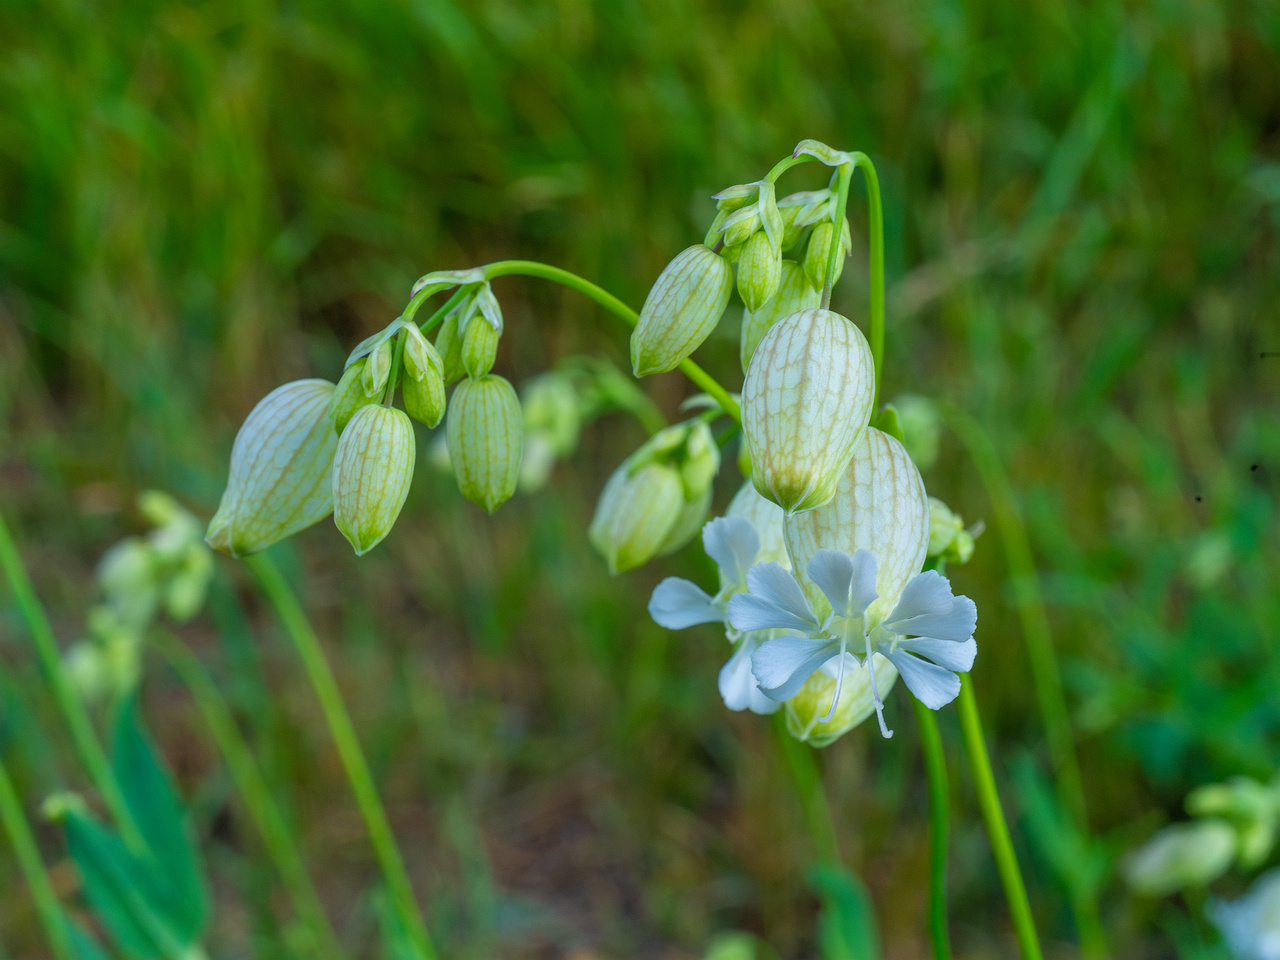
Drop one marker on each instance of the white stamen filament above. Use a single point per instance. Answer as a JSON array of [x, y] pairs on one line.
[[875, 693], [835, 697]]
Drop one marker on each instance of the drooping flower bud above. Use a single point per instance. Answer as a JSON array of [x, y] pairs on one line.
[[378, 368], [350, 395], [640, 514], [948, 537], [806, 403], [636, 513], [794, 294], [486, 440], [449, 346], [1182, 856], [552, 420], [281, 465], [818, 253], [423, 390], [759, 270], [921, 428], [479, 346], [372, 471], [683, 307], [806, 710], [880, 506]]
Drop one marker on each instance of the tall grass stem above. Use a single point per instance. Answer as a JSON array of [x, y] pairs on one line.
[[24, 845], [69, 703], [253, 789], [935, 766], [295, 622], [984, 783]]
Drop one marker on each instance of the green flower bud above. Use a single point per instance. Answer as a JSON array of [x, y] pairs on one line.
[[281, 468], [759, 270], [740, 225], [804, 711], [732, 254], [479, 347], [921, 428], [372, 471], [1182, 856], [378, 369], [486, 440], [791, 232], [350, 395], [449, 346], [735, 197], [552, 420], [817, 254], [424, 399], [879, 505], [699, 462], [683, 307], [1251, 807], [806, 404], [636, 515], [947, 536], [794, 294]]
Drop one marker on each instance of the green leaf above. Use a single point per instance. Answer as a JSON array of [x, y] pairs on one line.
[[120, 888], [396, 943], [162, 818], [83, 945], [847, 927]]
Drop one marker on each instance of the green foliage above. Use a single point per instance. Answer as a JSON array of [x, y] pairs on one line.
[[847, 928]]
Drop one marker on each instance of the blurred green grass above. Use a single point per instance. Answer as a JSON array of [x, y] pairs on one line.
[[199, 201]]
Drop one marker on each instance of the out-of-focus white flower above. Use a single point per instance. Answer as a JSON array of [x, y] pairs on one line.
[[1251, 924]]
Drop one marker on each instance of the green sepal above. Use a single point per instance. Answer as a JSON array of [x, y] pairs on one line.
[[887, 421]]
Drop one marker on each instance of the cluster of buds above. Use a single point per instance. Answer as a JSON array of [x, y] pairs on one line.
[[829, 620], [657, 500], [311, 448], [167, 571]]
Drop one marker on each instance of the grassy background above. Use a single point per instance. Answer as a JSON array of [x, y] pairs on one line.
[[200, 201]]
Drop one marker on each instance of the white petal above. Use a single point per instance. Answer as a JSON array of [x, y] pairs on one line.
[[927, 609], [738, 685], [678, 603], [832, 572], [774, 582], [750, 612], [783, 664], [953, 655], [934, 686], [732, 542]]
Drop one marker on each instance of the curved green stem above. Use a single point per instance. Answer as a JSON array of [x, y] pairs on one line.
[[24, 845], [253, 789], [531, 268], [804, 771], [984, 783], [935, 766], [397, 357], [299, 629], [843, 176], [875, 261], [69, 703]]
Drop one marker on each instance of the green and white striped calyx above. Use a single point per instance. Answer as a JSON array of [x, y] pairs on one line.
[[485, 436], [372, 472], [683, 306], [806, 404], [281, 464]]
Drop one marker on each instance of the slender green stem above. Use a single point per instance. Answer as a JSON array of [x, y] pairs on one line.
[[299, 629], [843, 175], [531, 268], [1045, 674], [875, 261], [804, 771], [73, 709], [24, 845], [397, 357], [253, 790], [935, 766], [984, 783]]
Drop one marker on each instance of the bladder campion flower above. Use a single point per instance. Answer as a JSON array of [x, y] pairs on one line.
[[928, 636], [281, 470], [806, 403], [683, 306], [794, 294]]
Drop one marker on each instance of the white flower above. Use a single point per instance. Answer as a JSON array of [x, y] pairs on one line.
[[1251, 923], [928, 636], [734, 544]]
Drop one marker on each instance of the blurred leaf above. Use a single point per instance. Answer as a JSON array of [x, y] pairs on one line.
[[847, 927], [396, 944]]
